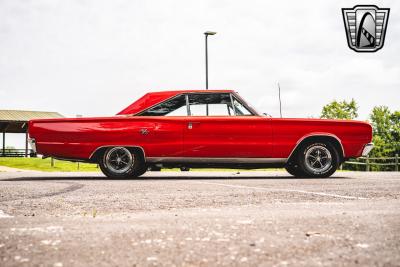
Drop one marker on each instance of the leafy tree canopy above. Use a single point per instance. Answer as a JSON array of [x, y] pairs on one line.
[[340, 110], [386, 130]]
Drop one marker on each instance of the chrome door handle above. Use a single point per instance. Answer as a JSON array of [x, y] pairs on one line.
[[190, 124]]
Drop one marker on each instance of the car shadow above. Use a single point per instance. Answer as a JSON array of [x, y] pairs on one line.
[[169, 177]]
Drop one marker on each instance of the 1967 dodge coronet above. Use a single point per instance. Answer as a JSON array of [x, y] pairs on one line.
[[192, 128]]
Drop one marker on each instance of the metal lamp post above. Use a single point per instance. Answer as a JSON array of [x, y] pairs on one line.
[[207, 33]]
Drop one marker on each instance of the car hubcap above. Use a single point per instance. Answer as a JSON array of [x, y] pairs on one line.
[[318, 159], [119, 159]]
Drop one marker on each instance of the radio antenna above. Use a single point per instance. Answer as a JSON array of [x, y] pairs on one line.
[[280, 102]]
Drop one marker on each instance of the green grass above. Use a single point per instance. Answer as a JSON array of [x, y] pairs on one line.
[[39, 164]]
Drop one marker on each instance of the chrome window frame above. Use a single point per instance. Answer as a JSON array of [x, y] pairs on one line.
[[188, 112], [160, 103], [233, 104], [244, 103], [233, 96], [199, 93]]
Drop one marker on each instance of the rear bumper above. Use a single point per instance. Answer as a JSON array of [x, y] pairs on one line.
[[367, 148], [32, 142]]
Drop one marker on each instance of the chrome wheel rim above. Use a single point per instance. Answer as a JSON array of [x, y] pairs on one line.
[[318, 159], [119, 160]]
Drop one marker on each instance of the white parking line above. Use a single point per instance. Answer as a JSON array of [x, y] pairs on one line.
[[284, 190], [4, 215]]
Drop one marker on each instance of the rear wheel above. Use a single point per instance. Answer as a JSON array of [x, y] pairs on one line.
[[294, 170], [120, 162], [318, 159]]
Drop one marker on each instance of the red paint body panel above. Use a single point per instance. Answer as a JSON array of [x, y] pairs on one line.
[[353, 135], [209, 137], [79, 138], [229, 137]]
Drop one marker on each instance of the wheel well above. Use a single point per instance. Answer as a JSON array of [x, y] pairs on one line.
[[96, 156], [320, 138]]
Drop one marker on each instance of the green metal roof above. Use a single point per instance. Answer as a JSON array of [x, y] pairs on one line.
[[25, 115], [16, 121]]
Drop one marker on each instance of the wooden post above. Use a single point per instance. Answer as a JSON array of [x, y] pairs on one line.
[[367, 164], [396, 160], [52, 162], [26, 144], [4, 143]]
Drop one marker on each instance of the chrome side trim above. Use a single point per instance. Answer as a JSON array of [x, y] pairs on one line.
[[214, 160], [367, 148], [66, 159], [316, 135], [91, 155]]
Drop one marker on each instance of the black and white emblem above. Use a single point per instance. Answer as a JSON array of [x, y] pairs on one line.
[[365, 27]]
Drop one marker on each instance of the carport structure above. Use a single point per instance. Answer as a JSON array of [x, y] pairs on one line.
[[16, 121]]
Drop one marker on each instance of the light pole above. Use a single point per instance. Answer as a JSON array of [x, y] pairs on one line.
[[207, 33]]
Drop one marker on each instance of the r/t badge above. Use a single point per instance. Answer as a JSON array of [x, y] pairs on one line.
[[365, 27]]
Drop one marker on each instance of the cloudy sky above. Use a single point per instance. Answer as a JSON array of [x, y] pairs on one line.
[[96, 57]]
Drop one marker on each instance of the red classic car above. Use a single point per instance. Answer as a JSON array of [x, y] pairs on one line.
[[193, 128]]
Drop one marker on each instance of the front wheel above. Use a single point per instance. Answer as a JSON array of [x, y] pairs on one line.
[[120, 162], [318, 159]]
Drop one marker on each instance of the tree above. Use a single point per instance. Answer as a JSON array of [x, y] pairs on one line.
[[386, 131], [385, 125], [340, 110]]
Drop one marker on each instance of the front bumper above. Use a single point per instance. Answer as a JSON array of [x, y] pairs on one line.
[[367, 148]]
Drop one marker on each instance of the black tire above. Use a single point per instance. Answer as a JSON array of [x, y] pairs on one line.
[[294, 170], [184, 169], [154, 169], [141, 171], [326, 161], [121, 162]]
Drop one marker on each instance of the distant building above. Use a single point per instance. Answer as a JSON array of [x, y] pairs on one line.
[[16, 121]]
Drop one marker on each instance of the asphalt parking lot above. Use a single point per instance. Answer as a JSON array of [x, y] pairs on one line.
[[199, 219]]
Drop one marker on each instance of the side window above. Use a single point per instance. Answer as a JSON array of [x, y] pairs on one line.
[[210, 105], [240, 110], [174, 107]]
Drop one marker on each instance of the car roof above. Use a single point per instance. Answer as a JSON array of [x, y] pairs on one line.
[[153, 98]]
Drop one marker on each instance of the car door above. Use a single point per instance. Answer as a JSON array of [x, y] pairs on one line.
[[216, 128], [159, 129]]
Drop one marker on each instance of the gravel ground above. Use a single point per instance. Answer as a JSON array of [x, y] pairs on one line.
[[199, 219]]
